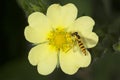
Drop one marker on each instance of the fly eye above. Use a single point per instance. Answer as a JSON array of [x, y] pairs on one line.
[[76, 33]]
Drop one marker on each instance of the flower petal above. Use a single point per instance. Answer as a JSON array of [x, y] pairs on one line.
[[62, 16], [90, 39], [84, 60], [71, 61], [84, 24], [39, 21], [45, 58], [68, 62], [35, 35], [38, 28]]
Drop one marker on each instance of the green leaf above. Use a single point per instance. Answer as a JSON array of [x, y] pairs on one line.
[[116, 46], [30, 6]]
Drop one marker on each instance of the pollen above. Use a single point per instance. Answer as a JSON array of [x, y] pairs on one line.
[[60, 39]]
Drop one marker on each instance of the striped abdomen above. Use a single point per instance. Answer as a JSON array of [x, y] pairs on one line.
[[82, 47], [80, 43]]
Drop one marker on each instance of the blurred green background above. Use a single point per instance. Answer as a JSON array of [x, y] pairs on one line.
[[14, 49]]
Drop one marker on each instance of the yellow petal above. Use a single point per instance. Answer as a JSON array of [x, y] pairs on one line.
[[90, 39], [82, 24], [62, 15], [39, 20], [35, 35], [69, 62], [45, 58], [84, 60], [38, 28]]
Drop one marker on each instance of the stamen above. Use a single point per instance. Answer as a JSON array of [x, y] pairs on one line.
[[60, 39]]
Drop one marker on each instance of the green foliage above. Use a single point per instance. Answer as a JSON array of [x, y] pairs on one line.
[[116, 46], [30, 6]]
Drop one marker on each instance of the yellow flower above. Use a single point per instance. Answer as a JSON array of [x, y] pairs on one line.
[[56, 41]]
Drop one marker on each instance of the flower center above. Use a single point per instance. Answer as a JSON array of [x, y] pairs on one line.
[[59, 39]]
